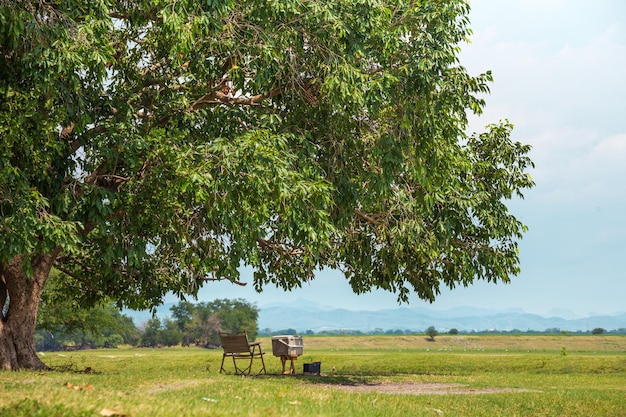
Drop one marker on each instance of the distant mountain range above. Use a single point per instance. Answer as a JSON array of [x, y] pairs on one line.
[[303, 315]]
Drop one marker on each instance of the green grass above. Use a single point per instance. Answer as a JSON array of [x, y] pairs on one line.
[[525, 376]]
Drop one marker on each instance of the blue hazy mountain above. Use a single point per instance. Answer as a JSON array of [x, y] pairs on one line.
[[303, 315]]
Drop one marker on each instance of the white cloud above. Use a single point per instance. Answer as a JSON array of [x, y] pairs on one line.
[[560, 81], [577, 165], [613, 149]]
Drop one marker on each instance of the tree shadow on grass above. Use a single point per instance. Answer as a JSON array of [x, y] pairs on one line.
[[346, 380]]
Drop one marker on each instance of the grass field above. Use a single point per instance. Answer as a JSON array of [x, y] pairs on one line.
[[361, 376]]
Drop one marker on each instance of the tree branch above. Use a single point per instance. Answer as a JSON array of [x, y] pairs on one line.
[[277, 247], [219, 98], [368, 218], [208, 279]]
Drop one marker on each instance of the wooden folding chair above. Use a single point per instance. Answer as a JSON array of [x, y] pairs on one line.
[[239, 348]]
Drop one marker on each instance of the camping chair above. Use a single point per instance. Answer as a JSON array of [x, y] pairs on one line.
[[237, 347]]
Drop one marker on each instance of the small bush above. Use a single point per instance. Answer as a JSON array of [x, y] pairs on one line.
[[431, 332]]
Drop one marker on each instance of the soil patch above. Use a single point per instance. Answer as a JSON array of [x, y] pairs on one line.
[[417, 388]]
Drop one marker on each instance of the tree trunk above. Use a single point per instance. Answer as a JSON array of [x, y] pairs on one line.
[[19, 304]]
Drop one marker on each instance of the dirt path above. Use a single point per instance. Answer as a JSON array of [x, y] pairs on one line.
[[416, 388]]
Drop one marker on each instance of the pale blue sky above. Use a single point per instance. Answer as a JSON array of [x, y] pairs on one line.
[[560, 78]]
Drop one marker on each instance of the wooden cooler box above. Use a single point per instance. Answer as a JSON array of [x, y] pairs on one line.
[[290, 346]]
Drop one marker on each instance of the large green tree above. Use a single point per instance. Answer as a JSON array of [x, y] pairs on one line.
[[151, 145], [201, 323]]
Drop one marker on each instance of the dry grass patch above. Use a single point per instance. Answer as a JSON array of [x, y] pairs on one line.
[[171, 386], [572, 343], [420, 388]]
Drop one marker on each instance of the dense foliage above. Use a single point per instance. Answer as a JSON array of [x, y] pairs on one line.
[[153, 145], [94, 327], [63, 323]]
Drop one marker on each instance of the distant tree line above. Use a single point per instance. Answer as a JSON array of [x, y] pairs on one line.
[[62, 327], [200, 324], [434, 332], [62, 323], [269, 332]]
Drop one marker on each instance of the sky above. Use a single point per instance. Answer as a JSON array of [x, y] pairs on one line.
[[559, 70]]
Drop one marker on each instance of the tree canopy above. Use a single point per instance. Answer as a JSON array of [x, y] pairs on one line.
[[154, 145]]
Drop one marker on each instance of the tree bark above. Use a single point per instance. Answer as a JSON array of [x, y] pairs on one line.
[[19, 304]]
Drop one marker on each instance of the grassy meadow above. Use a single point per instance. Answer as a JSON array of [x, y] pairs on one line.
[[463, 375]]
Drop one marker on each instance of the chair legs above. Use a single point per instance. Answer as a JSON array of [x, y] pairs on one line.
[[222, 365], [259, 354], [242, 371], [239, 370]]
